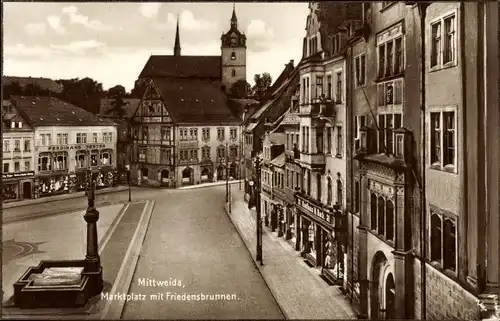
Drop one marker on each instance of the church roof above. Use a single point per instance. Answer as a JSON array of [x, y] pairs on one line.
[[195, 101], [183, 67]]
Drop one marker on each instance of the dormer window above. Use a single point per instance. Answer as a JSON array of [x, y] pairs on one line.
[[336, 43], [233, 55], [313, 45]]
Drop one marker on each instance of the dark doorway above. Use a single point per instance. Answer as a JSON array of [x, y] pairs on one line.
[[205, 175], [187, 176], [220, 173], [164, 177], [390, 294], [26, 190]]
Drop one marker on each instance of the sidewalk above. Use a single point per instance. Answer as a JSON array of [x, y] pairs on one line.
[[49, 199], [218, 183], [298, 289]]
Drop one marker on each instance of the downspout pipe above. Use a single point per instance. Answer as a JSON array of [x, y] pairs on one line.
[[422, 10]]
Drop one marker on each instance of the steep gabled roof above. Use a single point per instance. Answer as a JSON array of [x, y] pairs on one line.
[[199, 101], [182, 67], [50, 111], [45, 83]]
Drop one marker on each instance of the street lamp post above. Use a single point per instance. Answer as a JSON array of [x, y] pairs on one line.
[[259, 217], [227, 176], [128, 181]]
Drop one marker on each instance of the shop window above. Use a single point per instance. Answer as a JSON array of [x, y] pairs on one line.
[[93, 158], [60, 162], [106, 158], [80, 161], [312, 245], [44, 163], [10, 191]]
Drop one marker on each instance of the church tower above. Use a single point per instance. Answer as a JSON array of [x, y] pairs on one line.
[[234, 55], [177, 45]]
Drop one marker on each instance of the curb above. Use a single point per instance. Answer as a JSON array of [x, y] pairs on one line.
[[206, 185], [50, 200], [114, 309], [257, 265], [59, 212]]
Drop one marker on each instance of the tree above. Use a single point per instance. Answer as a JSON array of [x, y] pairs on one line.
[[262, 83], [115, 91], [10, 89], [35, 90], [85, 93], [117, 107], [240, 89], [139, 89]]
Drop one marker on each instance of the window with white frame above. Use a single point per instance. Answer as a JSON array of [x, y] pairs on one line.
[[6, 168], [60, 161], [340, 142], [44, 162], [95, 138], [205, 152], [62, 139], [319, 86], [107, 137], [329, 140], [443, 240], [27, 145], [233, 133], [387, 123], [81, 138], [220, 134], [360, 70], [17, 167], [338, 88], [390, 93], [6, 145], [106, 158], [390, 57], [359, 122], [443, 41], [46, 139], [17, 145], [81, 160], [443, 140], [27, 166], [329, 86]]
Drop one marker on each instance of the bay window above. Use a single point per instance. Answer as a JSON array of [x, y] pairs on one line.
[[44, 162], [60, 161], [93, 158]]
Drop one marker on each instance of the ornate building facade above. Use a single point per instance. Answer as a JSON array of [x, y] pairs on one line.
[[185, 130]]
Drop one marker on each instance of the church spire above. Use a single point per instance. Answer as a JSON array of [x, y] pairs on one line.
[[234, 20], [177, 46]]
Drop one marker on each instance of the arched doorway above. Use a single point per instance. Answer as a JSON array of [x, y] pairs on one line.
[[187, 176], [205, 174], [390, 294], [165, 177], [144, 173], [382, 283], [220, 173]]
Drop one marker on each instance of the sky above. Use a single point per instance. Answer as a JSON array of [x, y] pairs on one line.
[[111, 42]]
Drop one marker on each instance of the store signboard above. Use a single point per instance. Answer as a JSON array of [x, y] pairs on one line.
[[75, 147], [16, 175]]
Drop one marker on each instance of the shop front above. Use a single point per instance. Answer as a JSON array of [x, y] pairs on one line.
[[17, 186], [321, 242], [53, 184]]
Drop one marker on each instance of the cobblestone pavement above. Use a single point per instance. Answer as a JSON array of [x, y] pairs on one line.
[[191, 239], [298, 289]]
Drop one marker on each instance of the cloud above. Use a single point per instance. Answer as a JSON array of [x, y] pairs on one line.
[[149, 10], [260, 37], [79, 46], [187, 22], [55, 23], [75, 17], [21, 50], [35, 28]]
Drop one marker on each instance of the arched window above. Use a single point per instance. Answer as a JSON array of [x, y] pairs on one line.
[[373, 210], [389, 221], [381, 215], [340, 193], [233, 73], [318, 187], [330, 198], [435, 238], [233, 55]]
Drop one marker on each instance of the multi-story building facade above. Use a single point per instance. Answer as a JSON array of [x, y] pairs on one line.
[[17, 154], [422, 250], [185, 131], [320, 204], [69, 144]]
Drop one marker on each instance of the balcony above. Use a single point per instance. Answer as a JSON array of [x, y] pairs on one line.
[[315, 161], [319, 107]]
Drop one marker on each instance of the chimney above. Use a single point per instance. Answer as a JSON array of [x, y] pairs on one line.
[[291, 62]]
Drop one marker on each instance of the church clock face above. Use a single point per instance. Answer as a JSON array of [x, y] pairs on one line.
[[234, 41]]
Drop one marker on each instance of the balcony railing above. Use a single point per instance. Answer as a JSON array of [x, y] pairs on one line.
[[317, 159], [319, 107]]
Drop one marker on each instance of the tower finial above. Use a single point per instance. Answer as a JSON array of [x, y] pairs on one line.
[[234, 20], [177, 45]]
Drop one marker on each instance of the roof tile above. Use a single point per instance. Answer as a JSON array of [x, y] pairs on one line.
[[182, 67]]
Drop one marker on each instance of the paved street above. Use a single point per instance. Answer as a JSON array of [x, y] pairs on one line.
[[191, 239], [299, 290]]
